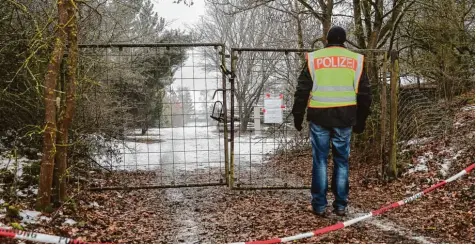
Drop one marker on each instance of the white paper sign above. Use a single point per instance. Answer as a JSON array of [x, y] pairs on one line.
[[272, 111]]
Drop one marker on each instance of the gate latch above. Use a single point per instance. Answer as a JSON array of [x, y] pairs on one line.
[[217, 112], [224, 70]]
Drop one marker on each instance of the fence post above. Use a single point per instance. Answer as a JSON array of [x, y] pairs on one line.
[[257, 119], [393, 113], [232, 120], [383, 114]]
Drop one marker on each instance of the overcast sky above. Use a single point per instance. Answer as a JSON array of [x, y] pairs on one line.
[[179, 15]]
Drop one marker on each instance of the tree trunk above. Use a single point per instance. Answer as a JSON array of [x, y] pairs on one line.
[[67, 112], [383, 116], [326, 26], [244, 118], [359, 30], [300, 39], [49, 135]]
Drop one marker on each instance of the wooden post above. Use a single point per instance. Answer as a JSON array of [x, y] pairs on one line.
[[393, 113], [383, 115]]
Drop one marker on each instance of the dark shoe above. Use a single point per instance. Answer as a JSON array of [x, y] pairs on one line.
[[339, 212], [322, 213]]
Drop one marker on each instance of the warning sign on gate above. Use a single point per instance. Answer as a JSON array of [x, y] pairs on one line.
[[273, 109]]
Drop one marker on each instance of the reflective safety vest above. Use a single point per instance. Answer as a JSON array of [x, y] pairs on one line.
[[335, 73]]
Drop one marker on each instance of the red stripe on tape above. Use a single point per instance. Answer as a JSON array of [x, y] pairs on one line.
[[7, 234], [385, 209], [468, 169], [76, 241], [321, 231], [272, 241], [435, 186]]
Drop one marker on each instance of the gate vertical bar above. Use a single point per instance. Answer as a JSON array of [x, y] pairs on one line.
[[232, 118], [225, 120], [393, 113], [383, 114]]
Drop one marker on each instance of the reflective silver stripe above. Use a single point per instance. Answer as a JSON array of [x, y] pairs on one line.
[[310, 60], [310, 66], [358, 71], [334, 99], [337, 88], [314, 84]]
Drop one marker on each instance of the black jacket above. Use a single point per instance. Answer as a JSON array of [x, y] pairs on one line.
[[332, 117]]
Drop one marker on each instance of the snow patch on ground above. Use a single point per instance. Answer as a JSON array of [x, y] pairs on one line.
[[184, 149], [27, 192], [20, 193], [69, 222], [418, 141], [12, 164], [458, 124], [94, 205], [468, 108], [32, 217], [445, 167], [421, 163], [29, 217], [429, 155], [44, 218], [447, 162], [418, 168]]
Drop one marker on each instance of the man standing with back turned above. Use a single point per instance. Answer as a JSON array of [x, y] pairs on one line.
[[335, 89]]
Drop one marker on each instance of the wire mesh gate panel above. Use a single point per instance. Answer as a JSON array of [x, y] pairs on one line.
[[262, 154], [148, 109], [422, 117]]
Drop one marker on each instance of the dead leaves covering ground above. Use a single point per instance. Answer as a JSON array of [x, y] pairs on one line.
[[219, 215]]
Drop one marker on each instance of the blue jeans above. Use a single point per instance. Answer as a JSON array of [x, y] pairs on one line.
[[321, 137]]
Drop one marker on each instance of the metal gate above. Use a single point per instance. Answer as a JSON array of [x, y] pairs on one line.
[[147, 109], [172, 115], [263, 154]]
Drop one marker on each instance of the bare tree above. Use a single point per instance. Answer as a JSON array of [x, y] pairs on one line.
[[253, 28]]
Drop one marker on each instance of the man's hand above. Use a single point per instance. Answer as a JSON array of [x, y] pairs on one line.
[[298, 123]]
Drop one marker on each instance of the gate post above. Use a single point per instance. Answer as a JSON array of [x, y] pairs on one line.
[[225, 119], [393, 113], [232, 118]]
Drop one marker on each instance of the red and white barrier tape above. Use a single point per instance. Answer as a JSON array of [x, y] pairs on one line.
[[37, 237], [382, 210], [44, 238]]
